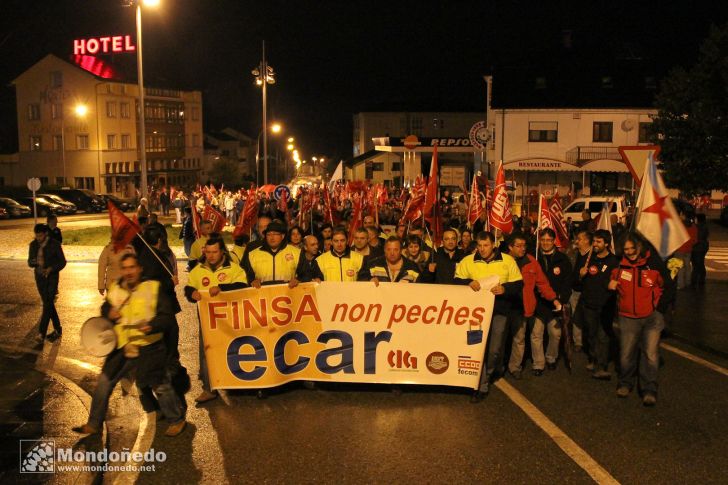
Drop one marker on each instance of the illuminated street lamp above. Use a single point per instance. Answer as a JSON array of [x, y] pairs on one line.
[[264, 75], [141, 141]]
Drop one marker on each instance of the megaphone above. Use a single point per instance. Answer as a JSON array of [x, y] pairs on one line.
[[98, 336]]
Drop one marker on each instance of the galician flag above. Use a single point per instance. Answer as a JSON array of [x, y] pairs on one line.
[[657, 219], [500, 212]]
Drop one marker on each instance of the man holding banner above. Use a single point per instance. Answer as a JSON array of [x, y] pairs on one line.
[[487, 261], [214, 274]]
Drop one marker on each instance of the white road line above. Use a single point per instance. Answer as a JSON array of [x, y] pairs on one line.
[[144, 440], [567, 445], [696, 359]]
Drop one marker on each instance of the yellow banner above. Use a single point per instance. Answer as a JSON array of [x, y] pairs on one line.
[[396, 333]]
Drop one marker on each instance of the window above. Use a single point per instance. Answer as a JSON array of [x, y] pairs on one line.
[[90, 183], [60, 181], [43, 180], [82, 142], [378, 166], [56, 79], [111, 109], [644, 136], [602, 131], [607, 82], [438, 123], [35, 143], [125, 141], [124, 110], [111, 142], [78, 182], [195, 115], [34, 111], [417, 126], [396, 166], [57, 111], [543, 131], [57, 142], [108, 168], [195, 140]]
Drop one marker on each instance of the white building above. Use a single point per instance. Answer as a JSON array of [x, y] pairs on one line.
[[79, 129]]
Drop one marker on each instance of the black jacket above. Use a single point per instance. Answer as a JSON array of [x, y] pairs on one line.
[[53, 256], [557, 268], [153, 269], [378, 265], [444, 273], [595, 293], [308, 270]]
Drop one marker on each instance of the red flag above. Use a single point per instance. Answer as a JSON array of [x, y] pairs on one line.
[[283, 206], [195, 219], [216, 219], [557, 216], [432, 201], [475, 206], [248, 216], [123, 229], [500, 213], [356, 218], [413, 210], [328, 211]]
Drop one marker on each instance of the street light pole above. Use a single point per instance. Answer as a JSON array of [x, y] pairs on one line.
[[141, 141], [264, 75]]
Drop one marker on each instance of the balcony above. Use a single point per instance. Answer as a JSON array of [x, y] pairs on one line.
[[582, 154]]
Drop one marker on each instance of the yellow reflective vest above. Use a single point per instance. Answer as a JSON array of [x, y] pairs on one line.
[[343, 268], [197, 247], [266, 266], [137, 307], [473, 267], [202, 277]]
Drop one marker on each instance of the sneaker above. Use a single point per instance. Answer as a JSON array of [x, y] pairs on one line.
[[591, 366], [623, 391], [53, 336], [551, 365], [175, 429], [649, 400], [85, 429], [477, 396], [538, 372], [516, 374], [602, 375], [206, 396]]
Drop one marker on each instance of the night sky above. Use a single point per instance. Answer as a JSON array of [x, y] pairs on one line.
[[335, 58]]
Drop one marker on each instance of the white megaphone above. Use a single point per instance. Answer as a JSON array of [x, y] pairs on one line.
[[98, 336]]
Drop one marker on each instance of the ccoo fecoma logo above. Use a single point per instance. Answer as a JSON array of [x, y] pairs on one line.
[[40, 458]]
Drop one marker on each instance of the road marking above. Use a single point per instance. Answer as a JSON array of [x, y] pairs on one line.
[[144, 440], [694, 358], [567, 445]]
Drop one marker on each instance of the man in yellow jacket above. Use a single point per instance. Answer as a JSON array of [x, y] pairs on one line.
[[487, 261], [341, 263], [141, 313], [215, 273], [274, 261]]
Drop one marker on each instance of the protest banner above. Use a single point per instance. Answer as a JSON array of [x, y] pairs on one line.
[[394, 333]]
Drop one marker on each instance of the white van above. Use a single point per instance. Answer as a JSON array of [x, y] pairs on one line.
[[594, 205]]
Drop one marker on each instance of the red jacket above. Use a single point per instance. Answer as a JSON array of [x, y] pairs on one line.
[[640, 287], [533, 276]]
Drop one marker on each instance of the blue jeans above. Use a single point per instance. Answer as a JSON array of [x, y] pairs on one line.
[[47, 288], [596, 337], [494, 349], [169, 402], [645, 333]]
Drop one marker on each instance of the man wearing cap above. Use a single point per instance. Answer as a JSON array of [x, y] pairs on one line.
[[275, 261]]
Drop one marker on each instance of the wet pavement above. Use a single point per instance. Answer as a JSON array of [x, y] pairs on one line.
[[353, 434]]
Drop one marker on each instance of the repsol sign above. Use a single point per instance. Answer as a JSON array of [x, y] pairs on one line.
[[451, 142]]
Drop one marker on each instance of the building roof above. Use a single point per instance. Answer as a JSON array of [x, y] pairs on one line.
[[361, 158]]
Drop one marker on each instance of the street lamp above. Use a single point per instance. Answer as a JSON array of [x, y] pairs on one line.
[[80, 111], [274, 128], [264, 75], [141, 141]]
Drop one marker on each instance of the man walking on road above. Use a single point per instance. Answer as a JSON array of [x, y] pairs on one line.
[[645, 290], [46, 257]]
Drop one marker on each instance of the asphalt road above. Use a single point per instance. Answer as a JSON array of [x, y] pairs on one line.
[[353, 434]]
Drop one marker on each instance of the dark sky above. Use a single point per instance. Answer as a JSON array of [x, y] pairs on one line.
[[335, 58]]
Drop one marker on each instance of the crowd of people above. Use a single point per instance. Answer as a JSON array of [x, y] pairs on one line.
[[606, 294]]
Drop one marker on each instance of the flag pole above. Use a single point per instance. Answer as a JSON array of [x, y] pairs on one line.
[[139, 235]]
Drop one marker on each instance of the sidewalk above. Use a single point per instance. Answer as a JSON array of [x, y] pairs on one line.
[[37, 406]]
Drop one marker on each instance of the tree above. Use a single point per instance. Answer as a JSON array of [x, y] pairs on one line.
[[225, 171], [691, 125]]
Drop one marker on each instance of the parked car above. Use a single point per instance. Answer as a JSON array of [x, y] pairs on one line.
[[70, 207], [594, 205], [43, 206], [15, 209], [4, 214], [121, 204], [84, 199]]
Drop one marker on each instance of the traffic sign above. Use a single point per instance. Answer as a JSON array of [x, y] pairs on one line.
[[635, 157], [34, 184], [279, 190]]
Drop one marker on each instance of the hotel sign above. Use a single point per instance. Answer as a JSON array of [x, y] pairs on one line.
[[103, 45]]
